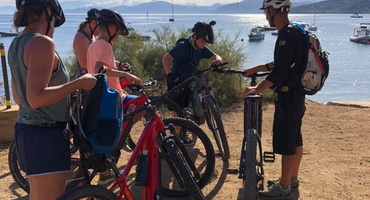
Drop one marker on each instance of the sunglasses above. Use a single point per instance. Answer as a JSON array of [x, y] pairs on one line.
[[265, 11]]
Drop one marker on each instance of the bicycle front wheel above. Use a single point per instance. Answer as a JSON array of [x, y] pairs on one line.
[[89, 192], [201, 153], [251, 165], [214, 122], [175, 158]]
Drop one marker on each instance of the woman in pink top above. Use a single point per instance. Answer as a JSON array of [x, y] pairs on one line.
[[100, 57]]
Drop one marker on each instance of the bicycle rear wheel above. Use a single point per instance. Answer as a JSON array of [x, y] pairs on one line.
[[200, 151], [214, 122], [166, 107], [88, 192], [251, 163], [181, 169]]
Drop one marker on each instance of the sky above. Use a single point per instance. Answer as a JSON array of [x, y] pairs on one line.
[[135, 2]]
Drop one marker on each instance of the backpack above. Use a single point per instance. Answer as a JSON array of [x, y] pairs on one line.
[[317, 69], [101, 118], [190, 56]]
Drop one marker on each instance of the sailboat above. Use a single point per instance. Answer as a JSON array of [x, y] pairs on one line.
[[313, 27], [173, 14], [356, 15]]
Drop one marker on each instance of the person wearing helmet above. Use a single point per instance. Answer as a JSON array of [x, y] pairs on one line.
[[84, 37], [285, 78], [100, 59], [185, 58], [41, 88]]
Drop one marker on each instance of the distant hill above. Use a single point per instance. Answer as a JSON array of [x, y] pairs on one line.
[[335, 7], [243, 7]]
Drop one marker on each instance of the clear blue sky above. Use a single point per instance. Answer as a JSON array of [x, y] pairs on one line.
[[134, 2]]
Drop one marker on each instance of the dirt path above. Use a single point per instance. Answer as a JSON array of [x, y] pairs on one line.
[[335, 165]]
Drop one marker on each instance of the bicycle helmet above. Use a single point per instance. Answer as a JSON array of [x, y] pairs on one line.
[[92, 14], [204, 31], [107, 16], [57, 10], [283, 5]]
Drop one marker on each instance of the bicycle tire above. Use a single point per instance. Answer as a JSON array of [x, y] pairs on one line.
[[164, 109], [73, 179], [214, 122], [250, 173], [165, 105], [177, 159], [201, 153], [88, 192]]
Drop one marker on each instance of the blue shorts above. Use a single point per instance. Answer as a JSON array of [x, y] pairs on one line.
[[42, 150]]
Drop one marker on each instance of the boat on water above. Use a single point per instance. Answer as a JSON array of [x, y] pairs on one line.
[[173, 14], [356, 15], [362, 34], [313, 26], [256, 34], [8, 34]]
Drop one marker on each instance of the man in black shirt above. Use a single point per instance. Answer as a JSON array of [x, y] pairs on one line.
[[285, 78]]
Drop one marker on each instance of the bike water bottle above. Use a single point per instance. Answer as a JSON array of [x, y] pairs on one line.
[[142, 165]]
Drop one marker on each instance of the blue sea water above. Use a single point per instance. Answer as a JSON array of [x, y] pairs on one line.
[[349, 78]]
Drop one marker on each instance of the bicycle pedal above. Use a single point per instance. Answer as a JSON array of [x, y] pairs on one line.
[[268, 156], [232, 171]]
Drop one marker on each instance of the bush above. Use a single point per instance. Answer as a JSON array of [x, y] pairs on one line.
[[146, 58]]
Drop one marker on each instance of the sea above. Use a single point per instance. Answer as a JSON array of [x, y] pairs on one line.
[[349, 77]]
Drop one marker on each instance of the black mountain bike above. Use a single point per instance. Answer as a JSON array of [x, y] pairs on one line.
[[204, 108], [252, 157]]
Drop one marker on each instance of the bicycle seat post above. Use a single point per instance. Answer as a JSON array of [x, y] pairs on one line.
[[253, 113]]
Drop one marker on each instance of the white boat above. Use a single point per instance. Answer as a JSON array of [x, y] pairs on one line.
[[256, 34], [313, 26], [356, 15], [275, 32], [362, 34]]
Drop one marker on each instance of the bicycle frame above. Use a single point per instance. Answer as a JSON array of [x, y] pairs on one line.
[[147, 141]]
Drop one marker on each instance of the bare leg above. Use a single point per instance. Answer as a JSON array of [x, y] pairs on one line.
[[290, 166], [298, 158], [47, 187], [287, 167]]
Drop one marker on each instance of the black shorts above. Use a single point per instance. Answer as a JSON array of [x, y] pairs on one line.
[[289, 111], [42, 150], [182, 98]]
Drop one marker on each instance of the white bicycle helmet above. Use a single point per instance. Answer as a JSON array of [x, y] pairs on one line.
[[277, 4]]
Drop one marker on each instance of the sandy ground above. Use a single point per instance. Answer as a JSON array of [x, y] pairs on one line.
[[335, 165]]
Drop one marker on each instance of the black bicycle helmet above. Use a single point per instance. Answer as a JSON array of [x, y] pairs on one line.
[[204, 31], [107, 16], [92, 14], [56, 9]]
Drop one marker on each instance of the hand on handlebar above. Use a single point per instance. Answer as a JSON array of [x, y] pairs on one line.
[[250, 90], [216, 62], [133, 78]]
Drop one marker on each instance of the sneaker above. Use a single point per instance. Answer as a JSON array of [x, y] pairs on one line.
[[275, 191], [105, 180], [293, 184]]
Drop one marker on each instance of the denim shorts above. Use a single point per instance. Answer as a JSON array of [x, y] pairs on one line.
[[42, 150]]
